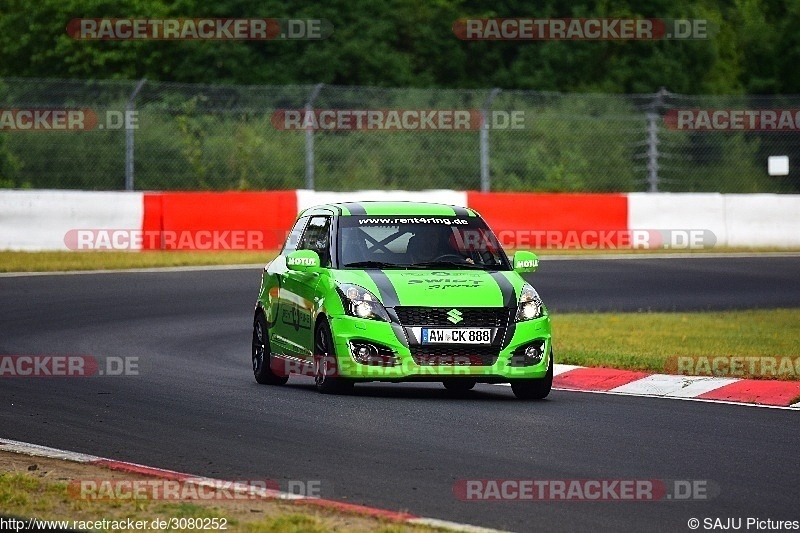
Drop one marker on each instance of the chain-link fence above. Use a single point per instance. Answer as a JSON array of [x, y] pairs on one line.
[[163, 136]]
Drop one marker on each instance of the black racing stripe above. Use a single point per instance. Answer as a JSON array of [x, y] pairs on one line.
[[509, 302], [355, 208], [461, 212], [390, 300], [387, 292], [506, 289]]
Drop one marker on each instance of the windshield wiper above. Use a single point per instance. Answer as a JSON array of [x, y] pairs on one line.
[[442, 264], [373, 264]]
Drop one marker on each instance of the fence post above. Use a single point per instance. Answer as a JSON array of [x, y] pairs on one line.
[[652, 140], [485, 180], [310, 138], [129, 107]]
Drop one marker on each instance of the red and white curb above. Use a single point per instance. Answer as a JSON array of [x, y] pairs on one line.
[[331, 505], [755, 392]]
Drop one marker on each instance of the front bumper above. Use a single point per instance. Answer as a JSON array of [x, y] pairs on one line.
[[347, 330]]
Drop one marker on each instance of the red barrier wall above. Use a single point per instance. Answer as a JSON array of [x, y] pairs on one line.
[[260, 220], [541, 220], [218, 220]]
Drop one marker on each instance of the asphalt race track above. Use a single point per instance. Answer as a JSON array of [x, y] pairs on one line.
[[678, 284], [196, 408]]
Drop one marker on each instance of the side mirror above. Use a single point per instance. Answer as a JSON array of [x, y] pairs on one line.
[[303, 261], [525, 262]]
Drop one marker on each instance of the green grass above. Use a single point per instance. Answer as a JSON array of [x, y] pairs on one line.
[[111, 260], [651, 251], [61, 261], [23, 494], [646, 341]]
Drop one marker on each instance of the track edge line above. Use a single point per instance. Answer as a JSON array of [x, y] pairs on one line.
[[37, 450]]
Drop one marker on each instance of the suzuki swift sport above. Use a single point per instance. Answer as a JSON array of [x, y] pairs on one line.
[[399, 291]]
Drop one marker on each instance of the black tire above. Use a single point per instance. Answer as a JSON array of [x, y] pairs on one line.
[[458, 385], [534, 389], [325, 366], [261, 354]]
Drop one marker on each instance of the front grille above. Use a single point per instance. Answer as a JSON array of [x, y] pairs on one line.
[[449, 355], [483, 317]]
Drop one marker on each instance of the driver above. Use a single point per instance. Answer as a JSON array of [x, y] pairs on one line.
[[432, 243]]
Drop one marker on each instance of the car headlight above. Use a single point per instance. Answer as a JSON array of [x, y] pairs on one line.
[[530, 305], [361, 303]]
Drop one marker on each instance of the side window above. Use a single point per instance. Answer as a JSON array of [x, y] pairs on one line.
[[294, 236], [317, 238]]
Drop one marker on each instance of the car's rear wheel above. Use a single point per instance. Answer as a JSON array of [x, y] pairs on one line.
[[262, 355], [458, 385], [326, 369], [534, 389]]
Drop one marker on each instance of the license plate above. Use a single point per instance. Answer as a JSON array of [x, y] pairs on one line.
[[456, 336]]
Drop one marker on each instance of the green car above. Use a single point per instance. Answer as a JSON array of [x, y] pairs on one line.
[[400, 291]]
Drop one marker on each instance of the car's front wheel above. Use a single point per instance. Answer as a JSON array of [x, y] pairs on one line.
[[326, 368], [261, 354], [534, 389]]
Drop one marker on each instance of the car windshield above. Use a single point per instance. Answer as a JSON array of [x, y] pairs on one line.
[[418, 242]]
